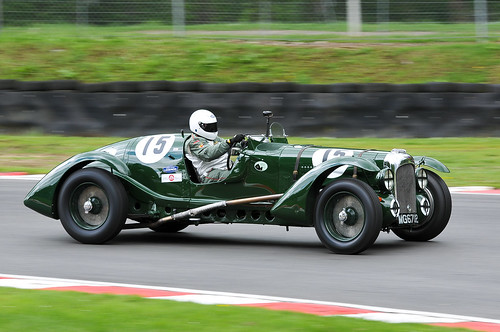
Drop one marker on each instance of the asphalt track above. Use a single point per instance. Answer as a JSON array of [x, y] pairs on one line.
[[457, 273]]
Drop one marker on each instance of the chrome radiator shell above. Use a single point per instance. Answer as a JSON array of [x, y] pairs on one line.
[[405, 188], [403, 167]]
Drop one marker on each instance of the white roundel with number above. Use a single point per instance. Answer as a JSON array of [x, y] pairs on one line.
[[152, 149], [323, 155]]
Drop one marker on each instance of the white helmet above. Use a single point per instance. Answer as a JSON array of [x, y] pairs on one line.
[[204, 123]]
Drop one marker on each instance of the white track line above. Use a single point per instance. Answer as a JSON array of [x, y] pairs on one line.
[[225, 298]]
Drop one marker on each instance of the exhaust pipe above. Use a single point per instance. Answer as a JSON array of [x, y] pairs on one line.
[[196, 211]]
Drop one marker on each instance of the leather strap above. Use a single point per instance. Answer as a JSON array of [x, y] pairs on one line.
[[296, 168]]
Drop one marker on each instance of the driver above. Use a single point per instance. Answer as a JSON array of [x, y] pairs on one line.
[[206, 150]]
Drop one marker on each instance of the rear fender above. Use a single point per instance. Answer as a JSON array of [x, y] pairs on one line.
[[297, 202], [43, 197]]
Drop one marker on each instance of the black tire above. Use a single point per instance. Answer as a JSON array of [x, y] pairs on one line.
[[8, 84], [214, 87], [170, 227], [124, 86], [439, 197], [362, 219], [62, 85], [106, 213]]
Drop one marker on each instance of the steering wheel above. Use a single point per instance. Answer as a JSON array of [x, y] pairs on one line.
[[229, 162]]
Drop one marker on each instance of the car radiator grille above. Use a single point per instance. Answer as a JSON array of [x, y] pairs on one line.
[[406, 189]]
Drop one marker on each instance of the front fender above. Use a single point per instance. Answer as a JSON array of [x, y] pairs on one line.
[[431, 162], [43, 197], [293, 204]]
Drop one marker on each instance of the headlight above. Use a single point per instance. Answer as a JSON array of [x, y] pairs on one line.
[[386, 177], [421, 176]]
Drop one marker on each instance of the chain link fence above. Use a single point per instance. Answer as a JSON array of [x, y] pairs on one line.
[[270, 19]]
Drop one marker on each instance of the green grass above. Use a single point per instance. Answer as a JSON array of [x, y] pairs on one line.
[[472, 161], [149, 52], [438, 31], [32, 310]]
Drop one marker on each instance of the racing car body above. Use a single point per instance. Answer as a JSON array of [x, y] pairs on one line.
[[348, 195]]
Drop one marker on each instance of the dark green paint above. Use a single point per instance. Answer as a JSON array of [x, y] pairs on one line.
[[43, 197], [298, 202], [265, 167]]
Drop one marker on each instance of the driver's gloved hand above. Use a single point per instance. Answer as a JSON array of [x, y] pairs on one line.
[[243, 144], [236, 139]]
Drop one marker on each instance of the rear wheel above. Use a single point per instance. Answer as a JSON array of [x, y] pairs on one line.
[[92, 206], [439, 198], [348, 216]]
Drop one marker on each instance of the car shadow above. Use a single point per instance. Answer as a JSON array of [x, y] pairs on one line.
[[203, 239], [383, 246], [399, 245]]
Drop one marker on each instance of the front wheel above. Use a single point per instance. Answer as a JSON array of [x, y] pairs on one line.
[[439, 198], [348, 216], [92, 205]]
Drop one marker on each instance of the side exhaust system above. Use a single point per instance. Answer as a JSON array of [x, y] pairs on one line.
[[196, 211]]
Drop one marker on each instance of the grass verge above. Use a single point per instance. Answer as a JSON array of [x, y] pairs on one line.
[[472, 161], [34, 310], [103, 54]]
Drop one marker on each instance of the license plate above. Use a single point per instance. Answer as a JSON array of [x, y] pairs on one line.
[[408, 219]]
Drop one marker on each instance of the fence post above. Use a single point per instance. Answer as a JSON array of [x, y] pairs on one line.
[[382, 14], [82, 12], [481, 18], [265, 18], [178, 18], [354, 17], [1, 16], [264, 12]]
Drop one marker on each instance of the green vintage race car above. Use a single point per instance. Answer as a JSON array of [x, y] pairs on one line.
[[347, 195]]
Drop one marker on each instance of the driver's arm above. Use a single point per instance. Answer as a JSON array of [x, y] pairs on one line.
[[205, 151]]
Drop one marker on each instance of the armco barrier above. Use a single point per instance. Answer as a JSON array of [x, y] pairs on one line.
[[336, 110]]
